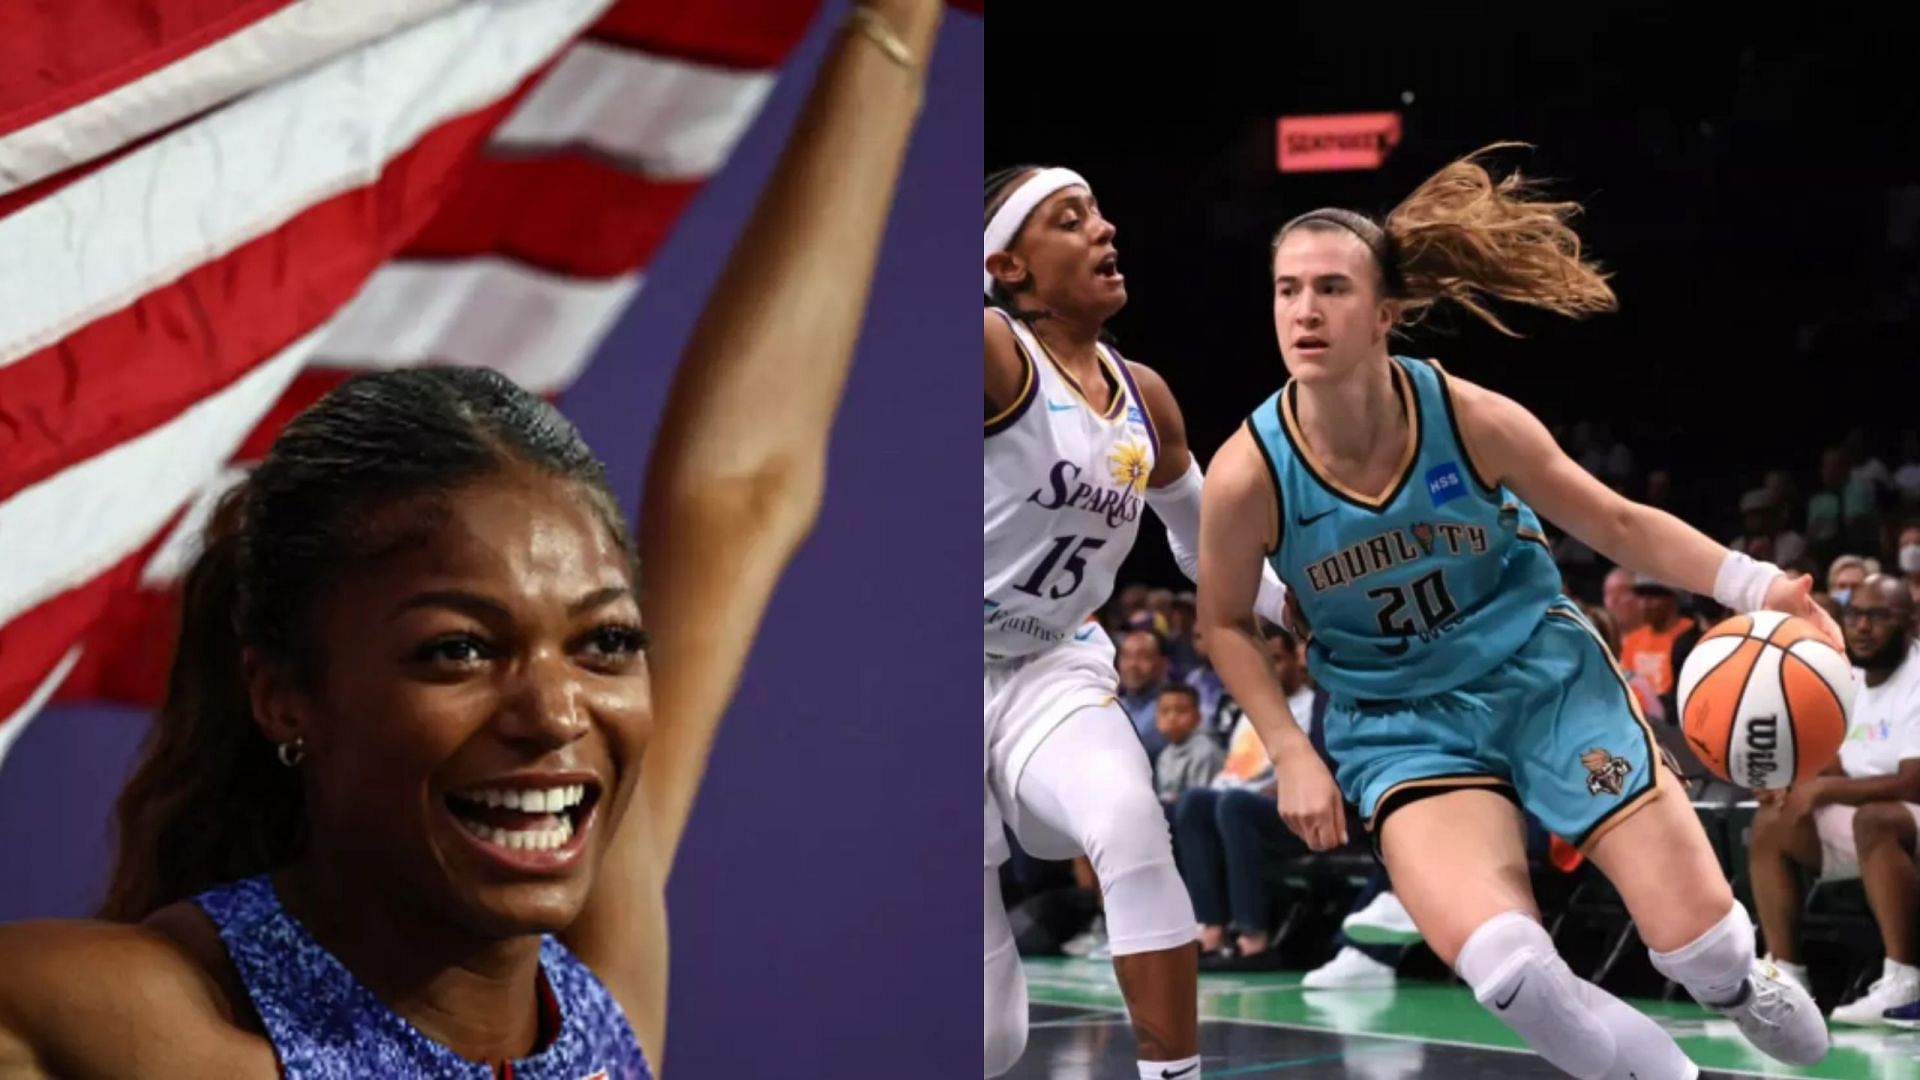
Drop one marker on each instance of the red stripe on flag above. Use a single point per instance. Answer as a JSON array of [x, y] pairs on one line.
[[54, 56], [136, 368], [129, 648], [569, 213], [34, 642], [307, 387], [129, 372], [750, 34]]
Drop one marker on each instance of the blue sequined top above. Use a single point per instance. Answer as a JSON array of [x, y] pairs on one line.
[[324, 1024]]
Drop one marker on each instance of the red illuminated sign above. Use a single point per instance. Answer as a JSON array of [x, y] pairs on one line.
[[1337, 143]]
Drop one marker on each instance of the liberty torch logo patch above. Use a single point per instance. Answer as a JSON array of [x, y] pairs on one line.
[[1605, 773]]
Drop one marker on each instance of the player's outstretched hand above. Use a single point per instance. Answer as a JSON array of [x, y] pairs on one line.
[[1793, 594]]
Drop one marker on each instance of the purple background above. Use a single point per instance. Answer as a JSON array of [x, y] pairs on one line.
[[823, 904]]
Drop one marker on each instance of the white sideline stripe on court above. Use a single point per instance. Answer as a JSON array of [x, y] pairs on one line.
[[1357, 1034]]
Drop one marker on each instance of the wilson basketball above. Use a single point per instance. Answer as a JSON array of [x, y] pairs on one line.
[[1764, 700]]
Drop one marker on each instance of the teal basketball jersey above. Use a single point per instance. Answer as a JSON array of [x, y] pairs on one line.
[[1415, 590]]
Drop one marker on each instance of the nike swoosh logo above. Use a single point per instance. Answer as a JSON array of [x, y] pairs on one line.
[[1502, 1005], [1303, 522], [1396, 650], [1165, 1075], [1054, 406]]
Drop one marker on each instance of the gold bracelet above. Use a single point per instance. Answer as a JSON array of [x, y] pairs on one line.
[[870, 25]]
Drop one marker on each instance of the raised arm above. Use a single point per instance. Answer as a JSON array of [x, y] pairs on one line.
[[736, 475], [1509, 445]]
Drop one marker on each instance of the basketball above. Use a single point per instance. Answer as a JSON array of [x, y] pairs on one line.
[[1764, 700]]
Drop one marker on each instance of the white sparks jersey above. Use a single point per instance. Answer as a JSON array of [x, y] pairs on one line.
[[1065, 489]]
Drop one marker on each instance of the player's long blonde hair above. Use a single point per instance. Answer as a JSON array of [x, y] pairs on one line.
[[1464, 236]]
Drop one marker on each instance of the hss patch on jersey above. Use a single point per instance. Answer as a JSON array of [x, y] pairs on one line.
[[1444, 484]]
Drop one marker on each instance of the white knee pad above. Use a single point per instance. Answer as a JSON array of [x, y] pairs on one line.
[[1089, 784], [1714, 966], [1006, 985], [1516, 973], [1148, 908]]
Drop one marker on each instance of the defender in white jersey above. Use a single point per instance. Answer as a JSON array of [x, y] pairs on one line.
[[1078, 443], [1066, 481]]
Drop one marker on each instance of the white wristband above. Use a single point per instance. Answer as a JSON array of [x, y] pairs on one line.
[[1742, 582]]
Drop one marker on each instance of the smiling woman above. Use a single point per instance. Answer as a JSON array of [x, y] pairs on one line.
[[412, 798]]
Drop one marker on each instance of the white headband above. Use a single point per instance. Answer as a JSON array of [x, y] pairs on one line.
[[1020, 205]]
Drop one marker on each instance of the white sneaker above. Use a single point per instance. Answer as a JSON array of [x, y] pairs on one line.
[[1795, 972], [1890, 991], [1085, 942], [1384, 921], [1778, 1017], [1350, 969]]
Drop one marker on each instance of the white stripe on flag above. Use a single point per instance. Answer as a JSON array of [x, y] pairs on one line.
[[12, 726], [242, 171], [177, 552], [70, 527], [538, 329], [669, 119], [297, 36]]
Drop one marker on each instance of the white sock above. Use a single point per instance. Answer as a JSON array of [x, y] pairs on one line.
[[1184, 1069], [1899, 970]]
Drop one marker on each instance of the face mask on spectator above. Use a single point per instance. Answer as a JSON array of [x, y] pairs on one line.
[[1842, 596], [1910, 559]]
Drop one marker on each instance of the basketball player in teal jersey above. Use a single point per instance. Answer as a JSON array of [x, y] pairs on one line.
[[1397, 505]]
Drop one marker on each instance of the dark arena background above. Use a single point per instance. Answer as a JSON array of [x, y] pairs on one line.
[[1754, 186], [1752, 182]]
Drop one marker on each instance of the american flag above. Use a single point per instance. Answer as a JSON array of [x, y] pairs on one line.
[[212, 211]]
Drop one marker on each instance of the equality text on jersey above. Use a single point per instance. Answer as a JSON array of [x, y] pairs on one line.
[[1391, 548]]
